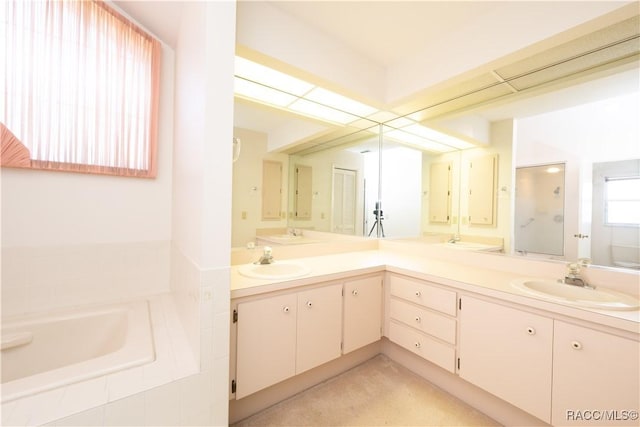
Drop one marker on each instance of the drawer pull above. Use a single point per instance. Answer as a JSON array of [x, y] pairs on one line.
[[285, 309], [355, 293], [309, 304], [417, 345], [418, 319], [418, 294], [576, 345], [531, 331]]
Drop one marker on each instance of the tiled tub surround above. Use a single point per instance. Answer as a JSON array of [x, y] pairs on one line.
[[37, 279], [468, 275], [173, 360]]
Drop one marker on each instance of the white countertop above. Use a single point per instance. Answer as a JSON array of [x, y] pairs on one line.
[[489, 282]]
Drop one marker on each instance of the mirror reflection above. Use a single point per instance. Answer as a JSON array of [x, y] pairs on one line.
[[483, 185]]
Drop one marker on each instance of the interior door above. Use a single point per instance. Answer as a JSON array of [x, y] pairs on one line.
[[344, 201]]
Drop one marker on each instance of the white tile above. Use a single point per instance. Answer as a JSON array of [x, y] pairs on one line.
[[125, 412], [195, 399], [162, 406], [91, 417], [158, 373], [39, 298], [206, 350], [45, 406], [15, 269], [84, 395], [14, 301], [125, 383], [221, 331]]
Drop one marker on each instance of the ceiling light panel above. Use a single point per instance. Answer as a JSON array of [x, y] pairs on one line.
[[322, 112], [411, 139], [340, 102], [269, 77], [258, 92], [438, 136]]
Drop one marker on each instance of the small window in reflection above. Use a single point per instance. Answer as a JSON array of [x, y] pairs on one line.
[[622, 201]]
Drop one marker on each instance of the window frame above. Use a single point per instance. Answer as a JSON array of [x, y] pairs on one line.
[[607, 199], [147, 143]]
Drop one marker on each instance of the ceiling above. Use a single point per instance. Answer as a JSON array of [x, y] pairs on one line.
[[397, 36]]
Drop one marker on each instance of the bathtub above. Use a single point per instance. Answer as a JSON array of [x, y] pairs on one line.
[[43, 352]]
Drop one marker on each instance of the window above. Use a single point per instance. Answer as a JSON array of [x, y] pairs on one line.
[[80, 85], [622, 201]]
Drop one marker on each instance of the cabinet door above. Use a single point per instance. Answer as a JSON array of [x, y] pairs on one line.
[[594, 371], [319, 326], [303, 189], [482, 187], [266, 343], [440, 192], [271, 190], [362, 312], [508, 353]]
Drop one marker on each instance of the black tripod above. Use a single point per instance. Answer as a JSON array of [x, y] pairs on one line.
[[379, 217]]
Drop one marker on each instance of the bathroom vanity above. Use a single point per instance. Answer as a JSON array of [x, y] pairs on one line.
[[462, 327]]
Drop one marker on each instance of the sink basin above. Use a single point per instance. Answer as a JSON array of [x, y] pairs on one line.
[[575, 295], [276, 270]]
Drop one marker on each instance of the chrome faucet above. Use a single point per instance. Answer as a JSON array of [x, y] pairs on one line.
[[454, 238], [266, 257], [573, 275]]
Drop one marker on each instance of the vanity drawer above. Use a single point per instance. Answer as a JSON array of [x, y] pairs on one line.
[[421, 293], [424, 346], [431, 323]]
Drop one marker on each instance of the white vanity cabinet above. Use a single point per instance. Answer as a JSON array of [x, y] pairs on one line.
[[284, 335], [422, 319], [595, 377], [288, 332], [362, 312], [507, 352], [266, 342]]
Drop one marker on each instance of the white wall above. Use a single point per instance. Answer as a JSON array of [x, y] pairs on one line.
[[247, 187], [202, 196], [401, 192], [71, 238]]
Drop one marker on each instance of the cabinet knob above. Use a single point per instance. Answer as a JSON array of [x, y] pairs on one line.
[[418, 294], [531, 331], [418, 319], [286, 309], [576, 345], [417, 345], [309, 304], [355, 292]]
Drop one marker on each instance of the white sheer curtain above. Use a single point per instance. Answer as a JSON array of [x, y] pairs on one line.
[[80, 87]]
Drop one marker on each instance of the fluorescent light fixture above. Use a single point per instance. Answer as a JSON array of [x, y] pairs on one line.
[[553, 169], [340, 102], [437, 136], [400, 122], [320, 111], [255, 91], [412, 139], [269, 77]]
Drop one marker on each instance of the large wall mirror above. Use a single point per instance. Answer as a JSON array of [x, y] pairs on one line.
[[554, 154]]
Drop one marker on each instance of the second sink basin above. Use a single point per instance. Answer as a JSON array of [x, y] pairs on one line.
[[276, 270], [576, 295]]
